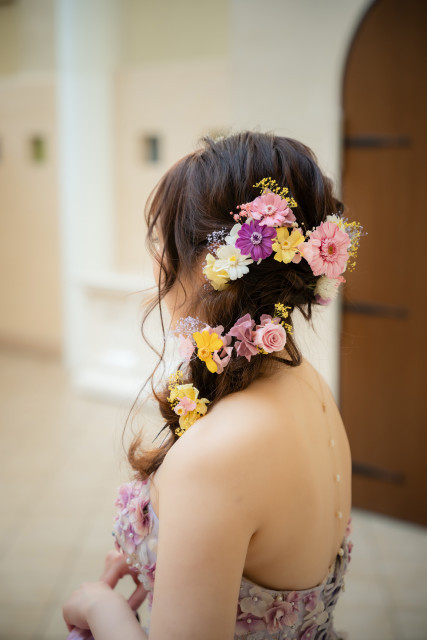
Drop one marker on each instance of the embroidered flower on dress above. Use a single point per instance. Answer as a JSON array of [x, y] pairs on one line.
[[257, 602], [247, 622], [311, 600], [139, 516], [283, 613]]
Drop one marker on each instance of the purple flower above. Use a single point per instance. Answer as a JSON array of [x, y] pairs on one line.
[[256, 240], [243, 331]]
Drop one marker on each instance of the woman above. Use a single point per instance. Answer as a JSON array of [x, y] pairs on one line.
[[236, 525]]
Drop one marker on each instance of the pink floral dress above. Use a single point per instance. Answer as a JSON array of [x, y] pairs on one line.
[[262, 613]]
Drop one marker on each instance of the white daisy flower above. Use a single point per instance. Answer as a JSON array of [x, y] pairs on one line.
[[231, 260], [232, 237]]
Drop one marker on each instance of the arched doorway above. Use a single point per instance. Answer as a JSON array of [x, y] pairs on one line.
[[384, 344]]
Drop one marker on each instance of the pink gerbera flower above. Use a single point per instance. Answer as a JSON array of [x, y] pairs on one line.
[[272, 210], [327, 250]]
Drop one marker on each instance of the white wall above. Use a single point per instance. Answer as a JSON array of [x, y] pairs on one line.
[[128, 68], [179, 102]]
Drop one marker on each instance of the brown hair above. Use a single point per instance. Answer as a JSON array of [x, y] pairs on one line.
[[194, 199]]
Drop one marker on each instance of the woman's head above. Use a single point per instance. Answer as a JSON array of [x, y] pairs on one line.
[[193, 201]]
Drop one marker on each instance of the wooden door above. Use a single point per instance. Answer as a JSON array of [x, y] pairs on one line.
[[384, 346]]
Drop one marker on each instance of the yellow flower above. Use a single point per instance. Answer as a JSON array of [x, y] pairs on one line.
[[219, 279], [286, 245], [201, 407], [207, 343], [190, 418]]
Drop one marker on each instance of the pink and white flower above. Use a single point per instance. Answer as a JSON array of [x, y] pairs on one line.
[[326, 251], [184, 406], [272, 210]]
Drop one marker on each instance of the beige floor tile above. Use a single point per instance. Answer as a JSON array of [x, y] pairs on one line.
[[58, 497], [412, 623]]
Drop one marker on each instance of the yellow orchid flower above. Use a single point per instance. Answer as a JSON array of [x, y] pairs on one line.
[[286, 244], [207, 343]]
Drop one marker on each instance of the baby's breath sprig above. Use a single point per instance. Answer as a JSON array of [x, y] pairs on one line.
[[270, 185]]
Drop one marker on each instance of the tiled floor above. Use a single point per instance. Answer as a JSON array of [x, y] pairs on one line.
[[61, 460]]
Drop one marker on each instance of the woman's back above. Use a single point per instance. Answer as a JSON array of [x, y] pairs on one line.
[[249, 489], [297, 476]]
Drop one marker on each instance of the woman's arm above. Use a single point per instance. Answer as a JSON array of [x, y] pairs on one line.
[[207, 518]]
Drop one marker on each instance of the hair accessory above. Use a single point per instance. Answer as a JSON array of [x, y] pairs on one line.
[[246, 338], [214, 348], [185, 401], [267, 225]]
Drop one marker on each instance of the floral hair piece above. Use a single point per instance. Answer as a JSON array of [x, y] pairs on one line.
[[267, 225], [185, 401], [214, 348], [246, 338]]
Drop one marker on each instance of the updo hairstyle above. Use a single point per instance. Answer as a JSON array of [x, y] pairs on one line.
[[194, 199]]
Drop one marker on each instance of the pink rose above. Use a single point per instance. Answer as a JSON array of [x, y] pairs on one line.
[[270, 337]]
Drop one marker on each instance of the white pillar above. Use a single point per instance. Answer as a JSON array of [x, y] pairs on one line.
[[86, 58]]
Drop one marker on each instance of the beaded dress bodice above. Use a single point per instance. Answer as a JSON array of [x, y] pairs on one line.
[[262, 613]]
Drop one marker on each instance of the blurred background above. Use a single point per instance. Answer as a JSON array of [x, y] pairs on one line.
[[97, 99]]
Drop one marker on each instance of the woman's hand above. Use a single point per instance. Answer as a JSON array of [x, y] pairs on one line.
[[96, 606], [90, 597], [116, 568]]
